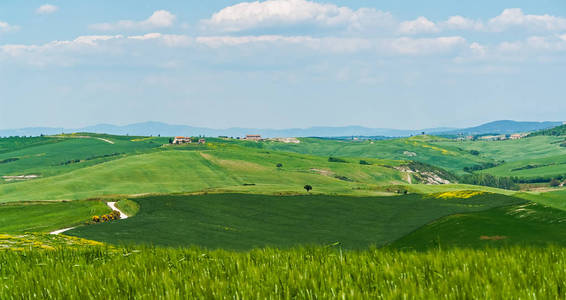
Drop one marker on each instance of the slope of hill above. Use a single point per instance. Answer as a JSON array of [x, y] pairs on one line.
[[218, 166], [554, 131], [238, 221], [527, 224], [502, 127], [48, 156], [418, 148]]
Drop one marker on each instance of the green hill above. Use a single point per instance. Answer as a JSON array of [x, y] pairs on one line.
[[426, 149], [555, 131], [222, 167], [239, 221], [527, 224], [48, 156]]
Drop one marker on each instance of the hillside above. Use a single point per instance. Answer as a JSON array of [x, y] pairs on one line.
[[238, 221], [213, 167], [424, 149], [555, 131], [502, 127]]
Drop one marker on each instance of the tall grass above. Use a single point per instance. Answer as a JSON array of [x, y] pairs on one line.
[[309, 273]]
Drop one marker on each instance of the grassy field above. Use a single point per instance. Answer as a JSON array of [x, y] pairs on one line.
[[528, 224], [298, 273], [239, 221], [45, 216], [511, 150], [223, 167], [540, 167], [48, 156], [426, 149]]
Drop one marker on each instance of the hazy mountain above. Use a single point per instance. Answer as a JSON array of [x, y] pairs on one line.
[[163, 129], [503, 127]]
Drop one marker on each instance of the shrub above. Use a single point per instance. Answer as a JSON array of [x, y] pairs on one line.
[[279, 165], [554, 182], [336, 159], [308, 187], [363, 162]]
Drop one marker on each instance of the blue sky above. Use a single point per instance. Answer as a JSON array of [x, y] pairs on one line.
[[281, 63]]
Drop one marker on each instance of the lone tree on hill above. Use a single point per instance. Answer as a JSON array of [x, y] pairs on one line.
[[308, 187]]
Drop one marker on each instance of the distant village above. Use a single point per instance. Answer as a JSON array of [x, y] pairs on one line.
[[178, 140], [500, 137]]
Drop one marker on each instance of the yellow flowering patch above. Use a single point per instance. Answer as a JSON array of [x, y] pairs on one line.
[[457, 194], [43, 241], [142, 139]]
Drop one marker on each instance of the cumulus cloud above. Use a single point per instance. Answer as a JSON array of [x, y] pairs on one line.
[[425, 46], [171, 40], [514, 17], [5, 27], [419, 25], [46, 9], [271, 13], [159, 19], [461, 23]]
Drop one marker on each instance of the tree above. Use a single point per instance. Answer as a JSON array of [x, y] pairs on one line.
[[279, 165], [308, 187], [170, 141], [554, 182]]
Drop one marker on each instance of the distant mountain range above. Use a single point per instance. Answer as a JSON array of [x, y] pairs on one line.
[[503, 127], [163, 129]]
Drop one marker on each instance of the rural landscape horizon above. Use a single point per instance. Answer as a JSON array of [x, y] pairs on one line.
[[282, 149]]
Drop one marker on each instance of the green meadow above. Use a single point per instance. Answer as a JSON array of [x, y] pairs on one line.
[[296, 273], [231, 219], [243, 221]]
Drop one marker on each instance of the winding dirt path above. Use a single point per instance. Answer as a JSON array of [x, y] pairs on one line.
[[112, 206], [56, 232]]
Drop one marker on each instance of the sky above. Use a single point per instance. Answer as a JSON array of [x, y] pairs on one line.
[[281, 63]]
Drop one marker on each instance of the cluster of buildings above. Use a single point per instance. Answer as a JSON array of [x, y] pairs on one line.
[[500, 137], [186, 140], [249, 137]]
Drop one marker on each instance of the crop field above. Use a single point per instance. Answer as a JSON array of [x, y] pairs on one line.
[[512, 150], [527, 224], [419, 148], [48, 156], [231, 219], [192, 170], [267, 273], [18, 217], [239, 221], [539, 167]]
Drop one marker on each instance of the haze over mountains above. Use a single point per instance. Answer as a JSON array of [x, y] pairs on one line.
[[163, 129]]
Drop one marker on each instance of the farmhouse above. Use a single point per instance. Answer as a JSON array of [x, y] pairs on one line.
[[517, 136], [182, 140], [253, 137]]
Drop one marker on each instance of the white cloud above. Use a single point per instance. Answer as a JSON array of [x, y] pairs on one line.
[[159, 19], [514, 17], [461, 23], [253, 15], [46, 9], [419, 25], [478, 50], [5, 27], [425, 46], [171, 40]]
